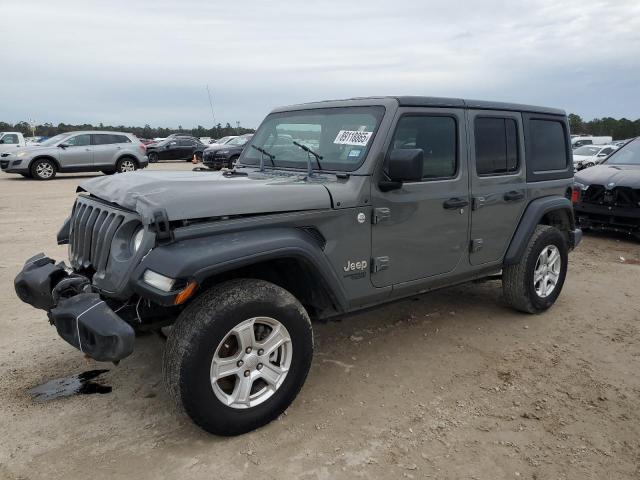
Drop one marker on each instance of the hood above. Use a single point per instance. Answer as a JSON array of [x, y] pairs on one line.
[[189, 195], [224, 146], [29, 149], [618, 175]]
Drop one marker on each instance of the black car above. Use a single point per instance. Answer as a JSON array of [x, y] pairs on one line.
[[607, 196], [176, 148], [219, 156]]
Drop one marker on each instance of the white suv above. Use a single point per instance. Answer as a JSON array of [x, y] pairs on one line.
[[590, 155]]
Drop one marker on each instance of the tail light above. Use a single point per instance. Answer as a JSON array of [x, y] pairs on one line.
[[143, 147], [575, 195]]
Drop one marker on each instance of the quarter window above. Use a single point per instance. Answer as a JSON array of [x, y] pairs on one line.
[[496, 142], [547, 148], [436, 136]]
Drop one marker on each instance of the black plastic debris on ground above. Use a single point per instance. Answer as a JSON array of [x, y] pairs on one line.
[[80, 384]]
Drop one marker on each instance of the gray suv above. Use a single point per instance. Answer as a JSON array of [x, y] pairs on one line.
[[86, 151], [331, 208]]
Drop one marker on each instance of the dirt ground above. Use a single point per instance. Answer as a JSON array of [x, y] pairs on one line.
[[451, 384]]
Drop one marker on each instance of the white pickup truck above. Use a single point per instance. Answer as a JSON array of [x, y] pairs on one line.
[[9, 141]]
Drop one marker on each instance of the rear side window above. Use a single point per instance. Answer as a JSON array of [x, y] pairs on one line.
[[108, 139], [436, 136], [547, 148], [185, 143], [496, 142]]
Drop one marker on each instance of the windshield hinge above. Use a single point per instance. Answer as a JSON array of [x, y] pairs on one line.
[[161, 221], [380, 214], [379, 263]]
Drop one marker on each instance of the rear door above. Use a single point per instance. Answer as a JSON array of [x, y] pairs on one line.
[[103, 149], [498, 182], [421, 229], [78, 153]]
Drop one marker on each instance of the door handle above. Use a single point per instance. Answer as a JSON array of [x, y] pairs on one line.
[[513, 196], [455, 203]]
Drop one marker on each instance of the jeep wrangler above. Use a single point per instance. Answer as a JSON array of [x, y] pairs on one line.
[[331, 208]]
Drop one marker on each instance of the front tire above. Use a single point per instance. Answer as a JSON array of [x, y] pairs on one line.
[[238, 355], [43, 169], [534, 284], [153, 157]]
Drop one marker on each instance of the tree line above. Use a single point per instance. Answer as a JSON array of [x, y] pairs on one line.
[[49, 130], [619, 129]]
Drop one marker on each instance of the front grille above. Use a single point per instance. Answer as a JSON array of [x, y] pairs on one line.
[[93, 226], [617, 197]]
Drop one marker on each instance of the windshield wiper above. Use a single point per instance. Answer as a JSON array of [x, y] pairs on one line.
[[309, 151], [263, 152]]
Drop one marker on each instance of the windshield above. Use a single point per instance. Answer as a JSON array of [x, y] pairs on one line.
[[238, 141], [587, 151], [54, 140], [341, 136], [626, 155]]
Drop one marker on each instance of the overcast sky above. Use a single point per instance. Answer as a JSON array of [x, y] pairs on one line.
[[135, 62]]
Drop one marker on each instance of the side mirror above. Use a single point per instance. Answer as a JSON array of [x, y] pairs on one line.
[[603, 154], [403, 165], [63, 145]]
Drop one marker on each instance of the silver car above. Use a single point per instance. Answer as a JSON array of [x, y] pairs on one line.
[[86, 151]]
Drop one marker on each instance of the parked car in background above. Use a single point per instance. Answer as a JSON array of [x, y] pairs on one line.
[[223, 140], [607, 196], [85, 151], [218, 156], [589, 140], [590, 155], [10, 141], [176, 148]]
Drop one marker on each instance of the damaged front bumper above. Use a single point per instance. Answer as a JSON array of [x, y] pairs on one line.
[[80, 316]]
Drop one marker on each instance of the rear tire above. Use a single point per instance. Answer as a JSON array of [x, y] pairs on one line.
[[264, 344], [43, 169], [126, 164], [534, 284]]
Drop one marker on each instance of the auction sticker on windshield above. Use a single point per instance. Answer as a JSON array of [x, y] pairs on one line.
[[352, 137]]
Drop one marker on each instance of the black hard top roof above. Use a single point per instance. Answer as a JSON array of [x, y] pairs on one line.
[[418, 101]]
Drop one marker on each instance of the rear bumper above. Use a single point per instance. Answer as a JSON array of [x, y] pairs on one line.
[[82, 318]]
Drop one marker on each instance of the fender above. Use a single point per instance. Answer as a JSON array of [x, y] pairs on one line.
[[530, 219], [201, 258]]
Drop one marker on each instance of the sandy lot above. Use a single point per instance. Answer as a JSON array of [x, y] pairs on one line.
[[451, 384]]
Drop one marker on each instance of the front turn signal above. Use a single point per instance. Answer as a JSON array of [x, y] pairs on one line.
[[186, 293]]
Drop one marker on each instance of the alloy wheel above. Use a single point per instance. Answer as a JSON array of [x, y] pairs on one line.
[[547, 271], [251, 362]]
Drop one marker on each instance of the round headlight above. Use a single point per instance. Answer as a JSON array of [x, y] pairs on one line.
[[137, 239]]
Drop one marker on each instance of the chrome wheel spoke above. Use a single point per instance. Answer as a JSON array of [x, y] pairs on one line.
[[242, 391], [224, 367], [274, 341], [246, 337], [272, 374]]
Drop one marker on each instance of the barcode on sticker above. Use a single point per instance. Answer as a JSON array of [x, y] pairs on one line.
[[352, 137]]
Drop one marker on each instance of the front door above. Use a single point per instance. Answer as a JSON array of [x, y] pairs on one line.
[[78, 152], [498, 182], [421, 229]]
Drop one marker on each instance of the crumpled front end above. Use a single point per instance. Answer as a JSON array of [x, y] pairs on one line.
[[81, 317]]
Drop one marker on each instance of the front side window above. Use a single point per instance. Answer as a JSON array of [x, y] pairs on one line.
[[341, 137], [547, 148], [627, 155], [496, 143], [238, 141], [436, 136], [79, 140], [10, 139]]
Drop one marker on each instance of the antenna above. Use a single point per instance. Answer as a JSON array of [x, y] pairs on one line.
[[213, 117]]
